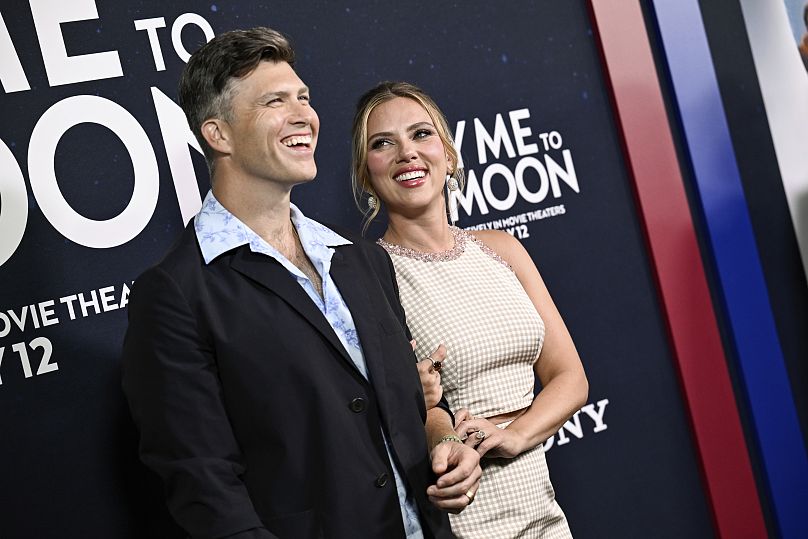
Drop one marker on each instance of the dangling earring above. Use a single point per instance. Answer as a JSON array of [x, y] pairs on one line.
[[451, 183], [372, 202]]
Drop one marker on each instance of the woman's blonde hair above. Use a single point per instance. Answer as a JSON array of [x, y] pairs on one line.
[[383, 92]]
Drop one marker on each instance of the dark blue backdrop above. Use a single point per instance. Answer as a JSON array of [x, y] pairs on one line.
[[69, 449]]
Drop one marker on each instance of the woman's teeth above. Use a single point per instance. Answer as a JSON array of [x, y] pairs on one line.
[[410, 175]]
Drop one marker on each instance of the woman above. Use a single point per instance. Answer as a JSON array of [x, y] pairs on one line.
[[482, 297]]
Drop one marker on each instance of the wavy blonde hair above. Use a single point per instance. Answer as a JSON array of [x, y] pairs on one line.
[[383, 92]]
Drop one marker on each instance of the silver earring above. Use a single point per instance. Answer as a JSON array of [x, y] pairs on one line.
[[451, 183], [372, 202]]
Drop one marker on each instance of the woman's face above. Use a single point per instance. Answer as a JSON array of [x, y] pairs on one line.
[[407, 162]]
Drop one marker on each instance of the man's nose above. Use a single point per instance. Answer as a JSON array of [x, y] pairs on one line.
[[302, 113]]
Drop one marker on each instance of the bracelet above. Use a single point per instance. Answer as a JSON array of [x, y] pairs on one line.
[[449, 438]]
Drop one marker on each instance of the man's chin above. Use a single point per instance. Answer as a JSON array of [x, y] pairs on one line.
[[306, 179]]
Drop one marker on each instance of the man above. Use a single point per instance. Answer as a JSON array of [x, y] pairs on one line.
[[267, 361]]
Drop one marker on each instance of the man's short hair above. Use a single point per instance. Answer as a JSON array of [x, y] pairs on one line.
[[206, 85]]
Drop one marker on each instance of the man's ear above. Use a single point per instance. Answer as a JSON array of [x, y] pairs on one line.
[[217, 134]]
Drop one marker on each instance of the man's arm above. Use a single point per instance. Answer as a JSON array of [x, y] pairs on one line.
[[395, 304], [456, 465], [171, 381]]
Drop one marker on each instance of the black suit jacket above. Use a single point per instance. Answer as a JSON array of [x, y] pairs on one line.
[[253, 413]]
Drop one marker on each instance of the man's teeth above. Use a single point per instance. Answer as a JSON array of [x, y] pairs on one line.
[[410, 175], [294, 141]]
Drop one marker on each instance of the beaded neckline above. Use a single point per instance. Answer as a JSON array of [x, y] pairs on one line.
[[460, 239], [441, 256]]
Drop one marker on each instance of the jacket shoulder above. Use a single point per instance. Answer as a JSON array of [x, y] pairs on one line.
[[180, 263], [369, 248]]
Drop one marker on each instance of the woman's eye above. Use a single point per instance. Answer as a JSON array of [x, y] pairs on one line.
[[423, 133], [379, 143]]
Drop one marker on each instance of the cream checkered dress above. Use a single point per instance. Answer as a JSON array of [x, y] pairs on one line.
[[470, 300]]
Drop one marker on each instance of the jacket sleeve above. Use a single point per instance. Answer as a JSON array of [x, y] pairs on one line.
[[171, 381], [395, 302]]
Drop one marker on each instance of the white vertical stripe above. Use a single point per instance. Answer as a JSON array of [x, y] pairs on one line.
[[784, 85]]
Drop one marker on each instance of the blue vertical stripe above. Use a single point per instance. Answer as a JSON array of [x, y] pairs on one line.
[[740, 275]]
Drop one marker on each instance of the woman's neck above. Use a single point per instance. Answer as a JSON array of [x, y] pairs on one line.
[[427, 233]]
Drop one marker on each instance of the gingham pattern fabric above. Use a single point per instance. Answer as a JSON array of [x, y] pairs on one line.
[[515, 499], [474, 305], [471, 301]]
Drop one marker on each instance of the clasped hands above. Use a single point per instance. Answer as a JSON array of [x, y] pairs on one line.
[[457, 465], [488, 439]]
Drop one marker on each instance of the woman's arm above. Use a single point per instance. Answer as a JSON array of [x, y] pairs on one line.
[[564, 384]]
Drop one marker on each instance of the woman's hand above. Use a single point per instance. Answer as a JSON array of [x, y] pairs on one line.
[[429, 371], [488, 439]]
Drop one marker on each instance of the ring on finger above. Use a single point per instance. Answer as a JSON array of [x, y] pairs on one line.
[[470, 495], [437, 365], [480, 435]]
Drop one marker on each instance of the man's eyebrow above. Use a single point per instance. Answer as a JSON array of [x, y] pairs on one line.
[[275, 93], [282, 93]]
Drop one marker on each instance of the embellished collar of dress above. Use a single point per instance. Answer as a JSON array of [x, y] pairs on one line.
[[461, 237]]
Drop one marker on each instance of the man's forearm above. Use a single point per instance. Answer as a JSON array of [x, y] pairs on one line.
[[438, 425]]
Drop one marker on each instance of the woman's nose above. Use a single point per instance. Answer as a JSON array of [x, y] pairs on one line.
[[406, 151]]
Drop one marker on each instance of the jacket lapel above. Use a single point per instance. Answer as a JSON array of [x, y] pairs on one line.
[[270, 274], [353, 281]]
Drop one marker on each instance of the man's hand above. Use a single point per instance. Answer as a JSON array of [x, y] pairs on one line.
[[458, 469], [430, 376]]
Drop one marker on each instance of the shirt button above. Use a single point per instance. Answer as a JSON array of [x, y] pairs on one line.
[[381, 480], [357, 405]]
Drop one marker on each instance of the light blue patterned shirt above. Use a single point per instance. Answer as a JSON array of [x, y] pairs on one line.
[[218, 231]]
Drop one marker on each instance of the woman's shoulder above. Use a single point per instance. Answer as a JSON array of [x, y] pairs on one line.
[[504, 246], [498, 241]]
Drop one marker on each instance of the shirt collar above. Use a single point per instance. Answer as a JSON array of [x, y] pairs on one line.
[[218, 231]]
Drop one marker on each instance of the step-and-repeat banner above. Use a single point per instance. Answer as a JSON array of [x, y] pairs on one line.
[[99, 173]]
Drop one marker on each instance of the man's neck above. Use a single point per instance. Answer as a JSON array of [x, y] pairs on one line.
[[262, 206], [265, 208]]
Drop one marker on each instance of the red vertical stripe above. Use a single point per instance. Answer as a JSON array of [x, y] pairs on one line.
[[679, 271]]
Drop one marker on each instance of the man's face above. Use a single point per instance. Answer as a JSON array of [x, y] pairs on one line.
[[273, 128]]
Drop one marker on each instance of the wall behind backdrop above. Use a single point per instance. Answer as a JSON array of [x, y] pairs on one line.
[[100, 173]]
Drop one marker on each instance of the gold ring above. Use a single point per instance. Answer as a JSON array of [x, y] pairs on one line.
[[470, 496]]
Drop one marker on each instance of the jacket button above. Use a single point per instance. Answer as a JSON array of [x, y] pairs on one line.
[[381, 480], [357, 405]]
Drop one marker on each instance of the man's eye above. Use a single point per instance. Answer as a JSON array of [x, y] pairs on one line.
[[305, 98]]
